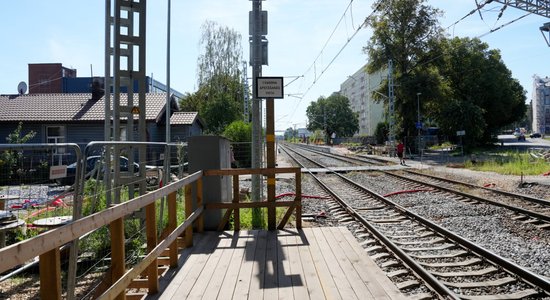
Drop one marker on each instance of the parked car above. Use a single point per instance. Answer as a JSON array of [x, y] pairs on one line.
[[535, 135], [91, 169]]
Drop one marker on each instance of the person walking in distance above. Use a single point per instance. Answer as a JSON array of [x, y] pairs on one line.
[[400, 151]]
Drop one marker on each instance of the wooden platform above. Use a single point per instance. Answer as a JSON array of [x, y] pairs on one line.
[[313, 263]]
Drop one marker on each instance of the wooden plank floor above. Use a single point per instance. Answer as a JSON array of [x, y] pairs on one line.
[[313, 263]]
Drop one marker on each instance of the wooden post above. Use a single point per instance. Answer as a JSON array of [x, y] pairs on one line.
[[151, 228], [172, 224], [50, 275], [116, 228], [270, 145], [188, 211], [236, 211], [200, 220], [299, 199]]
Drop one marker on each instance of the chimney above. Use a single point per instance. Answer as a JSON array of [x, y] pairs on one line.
[[98, 88]]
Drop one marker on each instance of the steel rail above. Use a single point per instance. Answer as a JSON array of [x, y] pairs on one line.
[[344, 157], [526, 275], [421, 272], [506, 193], [430, 280], [527, 212]]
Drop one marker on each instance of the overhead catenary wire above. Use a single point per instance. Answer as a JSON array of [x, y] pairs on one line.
[[479, 7], [504, 25], [329, 38], [313, 65]]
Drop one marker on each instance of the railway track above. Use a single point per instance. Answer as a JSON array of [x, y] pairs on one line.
[[352, 160], [416, 252], [524, 208], [309, 158]]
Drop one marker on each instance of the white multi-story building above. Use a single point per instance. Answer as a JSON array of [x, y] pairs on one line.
[[541, 105], [358, 88]]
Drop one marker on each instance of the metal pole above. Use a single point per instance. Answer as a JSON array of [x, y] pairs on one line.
[[391, 105], [256, 113], [418, 120], [418, 111], [270, 145], [168, 75]]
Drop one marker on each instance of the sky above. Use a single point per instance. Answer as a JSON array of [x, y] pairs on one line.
[[314, 44]]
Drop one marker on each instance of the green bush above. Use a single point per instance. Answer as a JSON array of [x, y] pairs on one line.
[[240, 133], [10, 160]]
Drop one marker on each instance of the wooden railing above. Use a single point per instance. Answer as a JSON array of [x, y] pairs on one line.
[[235, 206], [47, 245]]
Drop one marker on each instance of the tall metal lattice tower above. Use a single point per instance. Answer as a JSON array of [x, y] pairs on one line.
[[125, 48], [538, 7]]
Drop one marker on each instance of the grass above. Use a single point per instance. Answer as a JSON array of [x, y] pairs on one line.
[[247, 222], [445, 145], [511, 163]]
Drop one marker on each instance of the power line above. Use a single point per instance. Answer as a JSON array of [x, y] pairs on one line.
[[329, 38], [477, 37], [504, 25], [337, 54]]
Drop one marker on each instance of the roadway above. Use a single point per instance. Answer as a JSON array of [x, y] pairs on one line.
[[511, 140]]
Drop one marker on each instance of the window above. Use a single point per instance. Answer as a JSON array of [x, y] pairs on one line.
[[122, 132], [56, 135]]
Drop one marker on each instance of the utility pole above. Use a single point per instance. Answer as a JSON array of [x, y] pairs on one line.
[[391, 104], [167, 110], [325, 124], [255, 20], [418, 124]]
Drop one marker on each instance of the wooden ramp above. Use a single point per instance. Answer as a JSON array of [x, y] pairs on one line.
[[312, 263]]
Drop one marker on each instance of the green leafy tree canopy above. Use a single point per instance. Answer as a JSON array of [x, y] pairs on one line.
[[405, 32], [220, 94], [332, 115], [240, 133], [479, 85], [290, 133]]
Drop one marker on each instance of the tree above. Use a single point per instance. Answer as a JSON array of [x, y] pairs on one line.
[[460, 84], [10, 160], [290, 133], [241, 134], [332, 115], [220, 94], [381, 132], [483, 97], [405, 31]]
